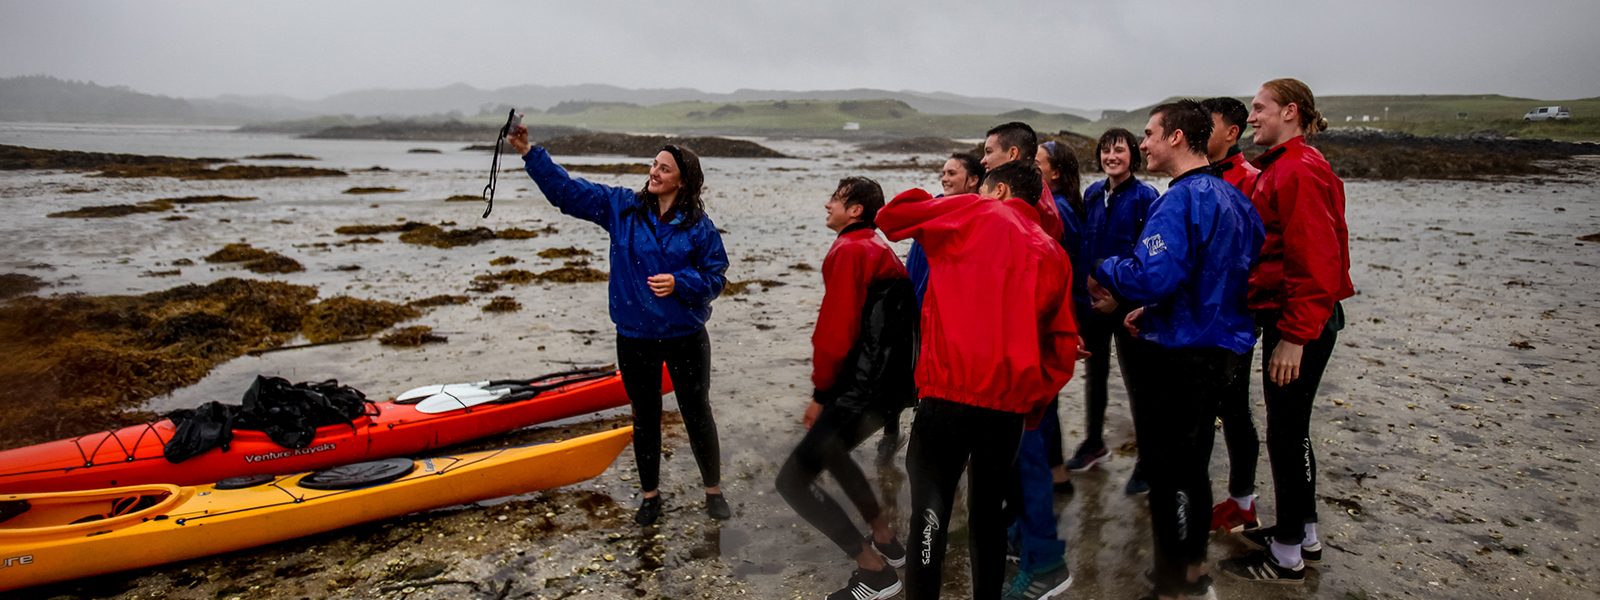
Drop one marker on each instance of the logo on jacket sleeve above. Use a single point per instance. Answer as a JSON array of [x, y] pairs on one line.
[[1155, 245]]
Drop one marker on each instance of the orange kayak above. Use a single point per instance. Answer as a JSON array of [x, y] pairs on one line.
[[51, 537], [133, 455]]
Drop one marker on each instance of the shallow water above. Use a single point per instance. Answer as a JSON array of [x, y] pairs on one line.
[[1452, 463]]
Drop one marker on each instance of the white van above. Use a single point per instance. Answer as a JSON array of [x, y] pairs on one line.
[[1546, 113]]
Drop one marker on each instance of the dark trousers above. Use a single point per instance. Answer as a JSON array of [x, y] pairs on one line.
[[688, 361], [827, 445], [947, 437], [1097, 331], [1239, 431], [1178, 392], [1294, 463]]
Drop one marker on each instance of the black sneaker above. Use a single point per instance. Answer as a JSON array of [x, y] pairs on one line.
[[1261, 538], [649, 511], [893, 552], [1260, 566], [869, 585], [1136, 484], [1064, 487], [1086, 457], [717, 507]]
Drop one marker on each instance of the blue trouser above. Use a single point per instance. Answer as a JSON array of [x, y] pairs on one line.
[[1034, 529]]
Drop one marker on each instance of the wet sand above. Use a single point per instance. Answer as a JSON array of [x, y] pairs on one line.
[[1455, 428]]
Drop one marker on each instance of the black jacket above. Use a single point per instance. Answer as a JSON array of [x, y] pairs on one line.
[[878, 373]]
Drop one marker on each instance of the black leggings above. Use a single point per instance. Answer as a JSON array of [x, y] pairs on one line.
[[945, 437], [688, 360], [1239, 431], [1178, 392], [837, 431], [1097, 330], [1294, 463]]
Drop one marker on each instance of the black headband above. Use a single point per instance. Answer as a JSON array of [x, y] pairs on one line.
[[677, 154]]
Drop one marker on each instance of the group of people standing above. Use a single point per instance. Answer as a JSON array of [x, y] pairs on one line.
[[1013, 276]]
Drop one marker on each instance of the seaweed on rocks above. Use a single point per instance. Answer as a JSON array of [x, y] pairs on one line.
[[373, 190], [343, 317], [375, 229], [464, 198], [567, 252], [415, 335], [424, 151], [255, 259], [502, 304], [573, 275], [13, 158], [113, 210], [516, 233], [1375, 154], [187, 200], [87, 360], [204, 172], [281, 157], [431, 235], [17, 284], [503, 261], [439, 300]]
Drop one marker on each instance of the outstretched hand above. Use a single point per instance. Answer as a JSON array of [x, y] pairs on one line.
[[519, 139]]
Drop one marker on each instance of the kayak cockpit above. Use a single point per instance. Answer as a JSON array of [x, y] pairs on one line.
[[61, 513]]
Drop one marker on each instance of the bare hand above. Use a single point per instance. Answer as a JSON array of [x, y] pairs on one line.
[[519, 140], [662, 285], [1128, 321], [1100, 298], [1082, 351], [812, 412], [1284, 367]]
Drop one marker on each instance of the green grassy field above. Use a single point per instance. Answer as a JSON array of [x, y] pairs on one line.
[[1430, 115], [876, 118]]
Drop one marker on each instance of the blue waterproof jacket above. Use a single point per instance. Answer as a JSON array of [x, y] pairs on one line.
[[642, 246], [917, 269], [1072, 239], [1191, 269], [1111, 223]]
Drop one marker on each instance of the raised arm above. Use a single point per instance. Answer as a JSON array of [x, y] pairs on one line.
[[580, 198]]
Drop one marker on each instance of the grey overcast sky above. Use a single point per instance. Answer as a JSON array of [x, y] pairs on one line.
[[1079, 53]]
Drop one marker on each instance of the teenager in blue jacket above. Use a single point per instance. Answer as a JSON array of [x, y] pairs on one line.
[[1115, 209], [1188, 277], [667, 265]]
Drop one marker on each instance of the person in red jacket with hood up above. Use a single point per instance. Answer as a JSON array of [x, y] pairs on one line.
[[1295, 291], [998, 343]]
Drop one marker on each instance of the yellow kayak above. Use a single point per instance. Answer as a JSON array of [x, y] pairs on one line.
[[57, 536]]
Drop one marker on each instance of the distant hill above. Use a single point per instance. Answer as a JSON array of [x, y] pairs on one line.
[[43, 98], [465, 99]]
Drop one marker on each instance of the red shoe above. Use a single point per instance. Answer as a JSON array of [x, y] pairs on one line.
[[1227, 516]]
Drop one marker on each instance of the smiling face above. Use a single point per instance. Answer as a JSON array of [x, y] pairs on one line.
[[664, 176], [1049, 172], [840, 215], [1115, 159], [1156, 147], [994, 152], [1274, 122], [955, 179]]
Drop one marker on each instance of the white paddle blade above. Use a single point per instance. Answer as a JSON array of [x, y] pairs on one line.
[[449, 400], [429, 390]]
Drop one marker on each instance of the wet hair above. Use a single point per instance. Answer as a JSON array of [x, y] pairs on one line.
[[1022, 176], [1016, 134], [1110, 138], [1233, 111], [1292, 91], [1065, 162], [1190, 118], [863, 192], [687, 203], [973, 164]]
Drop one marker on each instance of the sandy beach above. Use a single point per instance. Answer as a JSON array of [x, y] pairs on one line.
[[1455, 429]]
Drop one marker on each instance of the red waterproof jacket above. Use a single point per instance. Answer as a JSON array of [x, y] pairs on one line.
[[1238, 172], [997, 324], [857, 259], [1304, 267]]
